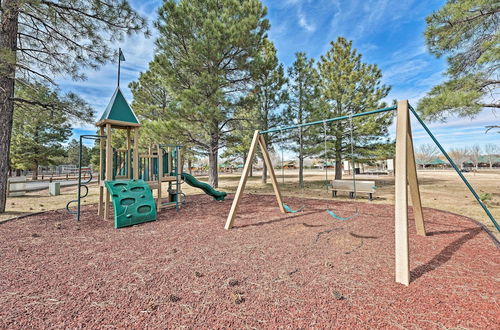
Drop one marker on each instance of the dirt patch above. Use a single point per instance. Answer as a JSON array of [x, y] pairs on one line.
[[271, 270]]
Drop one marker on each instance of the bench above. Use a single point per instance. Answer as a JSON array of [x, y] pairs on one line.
[[16, 186], [367, 187]]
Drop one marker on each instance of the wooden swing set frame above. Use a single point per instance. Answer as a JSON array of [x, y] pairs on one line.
[[405, 177]]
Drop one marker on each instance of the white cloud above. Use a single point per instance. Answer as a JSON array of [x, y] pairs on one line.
[[303, 22], [404, 71]]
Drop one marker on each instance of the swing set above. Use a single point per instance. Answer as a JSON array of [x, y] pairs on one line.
[[405, 180]]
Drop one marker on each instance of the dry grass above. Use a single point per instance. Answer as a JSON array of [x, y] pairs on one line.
[[439, 189]]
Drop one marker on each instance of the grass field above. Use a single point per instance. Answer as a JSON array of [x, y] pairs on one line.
[[441, 190]]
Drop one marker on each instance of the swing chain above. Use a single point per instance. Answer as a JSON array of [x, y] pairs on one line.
[[353, 164], [327, 184]]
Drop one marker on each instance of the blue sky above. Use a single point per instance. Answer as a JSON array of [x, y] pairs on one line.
[[387, 32]]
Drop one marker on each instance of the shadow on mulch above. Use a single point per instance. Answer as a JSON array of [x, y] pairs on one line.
[[361, 236], [445, 254], [287, 217]]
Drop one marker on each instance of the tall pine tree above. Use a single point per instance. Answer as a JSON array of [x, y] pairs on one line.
[[42, 39], [468, 33], [349, 86], [303, 106], [205, 55], [37, 139], [269, 94]]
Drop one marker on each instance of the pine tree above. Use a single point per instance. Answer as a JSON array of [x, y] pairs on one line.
[[205, 54], [468, 32], [303, 107], [269, 94], [40, 39], [349, 86], [37, 139], [153, 104], [238, 142], [73, 153]]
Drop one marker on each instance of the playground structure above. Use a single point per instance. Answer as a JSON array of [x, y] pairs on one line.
[[405, 179], [130, 177]]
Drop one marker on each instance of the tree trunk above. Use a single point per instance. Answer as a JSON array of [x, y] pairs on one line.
[[213, 174], [338, 165], [301, 158], [34, 174], [338, 153], [183, 161], [190, 165], [213, 163], [264, 167], [8, 42], [264, 172], [245, 155]]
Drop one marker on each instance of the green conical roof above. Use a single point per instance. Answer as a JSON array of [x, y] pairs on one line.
[[118, 111]]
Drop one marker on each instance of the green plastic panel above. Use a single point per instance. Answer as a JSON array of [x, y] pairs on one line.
[[133, 202]]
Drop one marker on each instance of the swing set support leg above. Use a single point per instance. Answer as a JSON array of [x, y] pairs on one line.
[[406, 177], [256, 140]]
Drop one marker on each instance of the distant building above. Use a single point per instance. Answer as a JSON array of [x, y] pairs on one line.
[[436, 162]]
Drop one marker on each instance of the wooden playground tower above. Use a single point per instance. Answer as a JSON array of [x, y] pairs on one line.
[[128, 163], [405, 177]]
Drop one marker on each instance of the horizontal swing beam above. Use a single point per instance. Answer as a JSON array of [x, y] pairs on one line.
[[452, 163], [280, 129]]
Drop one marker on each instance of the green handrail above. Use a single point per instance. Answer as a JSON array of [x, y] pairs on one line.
[[452, 163]]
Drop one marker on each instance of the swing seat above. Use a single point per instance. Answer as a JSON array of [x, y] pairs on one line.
[[288, 209], [333, 215]]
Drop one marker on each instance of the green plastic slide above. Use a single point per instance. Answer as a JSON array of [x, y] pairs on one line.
[[207, 189]]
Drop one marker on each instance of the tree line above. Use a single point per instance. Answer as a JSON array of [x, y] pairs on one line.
[[475, 154], [215, 76]]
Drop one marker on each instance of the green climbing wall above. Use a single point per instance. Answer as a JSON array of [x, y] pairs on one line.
[[133, 202]]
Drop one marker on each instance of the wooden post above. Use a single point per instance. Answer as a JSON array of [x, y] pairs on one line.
[[179, 171], [243, 181], [129, 162], [150, 164], [401, 195], [160, 176], [102, 145], [269, 165], [136, 154], [413, 184], [170, 166], [109, 168]]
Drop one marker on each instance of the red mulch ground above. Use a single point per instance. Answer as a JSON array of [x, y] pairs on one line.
[[270, 271]]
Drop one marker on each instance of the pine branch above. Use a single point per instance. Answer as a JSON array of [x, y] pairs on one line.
[[81, 12], [37, 103], [490, 105], [21, 66]]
